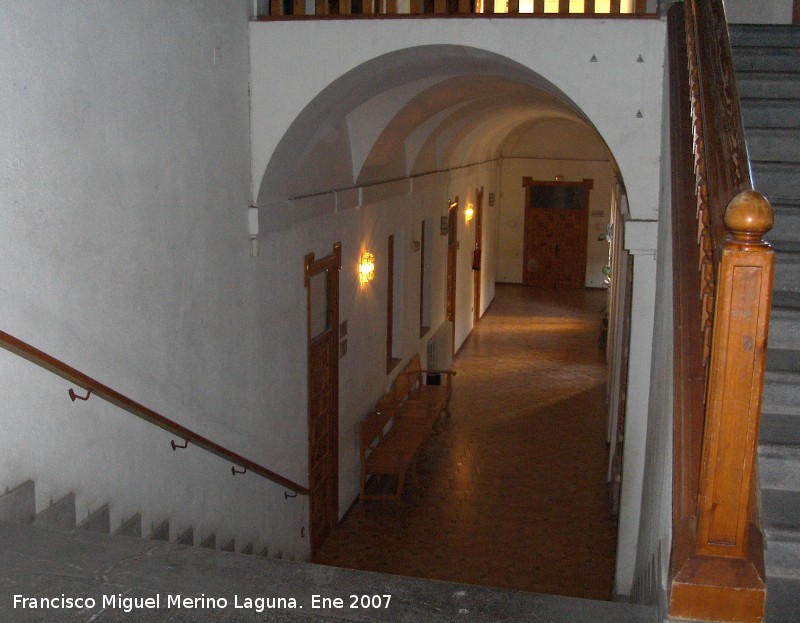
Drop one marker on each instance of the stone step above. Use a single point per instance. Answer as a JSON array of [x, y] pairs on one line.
[[38, 562], [186, 537], [780, 424], [19, 504], [783, 360], [766, 58], [781, 389], [770, 84], [60, 514], [770, 144], [98, 521], [779, 474], [782, 555], [160, 532], [780, 508], [787, 272], [779, 467], [779, 181], [783, 600], [764, 35], [787, 224], [784, 329], [769, 113], [131, 527], [210, 542], [782, 561], [786, 298]]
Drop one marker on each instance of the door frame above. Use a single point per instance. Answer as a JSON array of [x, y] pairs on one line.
[[479, 252], [331, 265], [452, 265]]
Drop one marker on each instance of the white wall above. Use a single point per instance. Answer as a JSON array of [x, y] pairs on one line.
[[125, 182], [645, 533], [610, 92]]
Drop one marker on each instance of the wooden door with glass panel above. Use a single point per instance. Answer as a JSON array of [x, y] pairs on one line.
[[556, 222]]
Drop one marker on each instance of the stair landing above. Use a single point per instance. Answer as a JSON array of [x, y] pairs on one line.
[[38, 562]]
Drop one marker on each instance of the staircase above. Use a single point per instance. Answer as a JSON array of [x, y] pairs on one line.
[[767, 61], [45, 555]]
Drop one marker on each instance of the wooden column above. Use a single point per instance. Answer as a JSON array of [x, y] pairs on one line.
[[440, 6], [563, 6], [538, 6], [721, 579], [513, 6], [588, 7]]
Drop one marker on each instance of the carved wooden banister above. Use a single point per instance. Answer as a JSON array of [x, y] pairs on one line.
[[717, 568]]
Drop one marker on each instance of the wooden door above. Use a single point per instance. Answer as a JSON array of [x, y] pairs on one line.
[[452, 256], [322, 288], [556, 223], [477, 257]]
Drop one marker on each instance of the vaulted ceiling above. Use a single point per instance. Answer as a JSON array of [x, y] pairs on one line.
[[423, 109]]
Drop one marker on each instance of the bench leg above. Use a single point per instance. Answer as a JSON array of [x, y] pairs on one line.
[[363, 481], [401, 481]]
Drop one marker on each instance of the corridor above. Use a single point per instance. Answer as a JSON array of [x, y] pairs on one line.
[[512, 492]]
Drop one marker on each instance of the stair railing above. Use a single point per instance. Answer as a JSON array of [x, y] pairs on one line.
[[723, 289], [94, 387]]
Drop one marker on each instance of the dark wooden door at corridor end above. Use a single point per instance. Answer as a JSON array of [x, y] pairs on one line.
[[556, 223], [322, 290]]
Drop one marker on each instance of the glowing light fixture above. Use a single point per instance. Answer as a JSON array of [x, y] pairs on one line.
[[366, 267], [469, 212]]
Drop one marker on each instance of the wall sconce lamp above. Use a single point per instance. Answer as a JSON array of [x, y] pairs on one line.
[[469, 212], [366, 267]]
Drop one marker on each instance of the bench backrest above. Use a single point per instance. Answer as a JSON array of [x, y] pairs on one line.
[[400, 387], [372, 428], [413, 373]]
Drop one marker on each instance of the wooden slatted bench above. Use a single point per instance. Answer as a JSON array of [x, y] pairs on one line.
[[392, 435], [434, 397], [389, 447]]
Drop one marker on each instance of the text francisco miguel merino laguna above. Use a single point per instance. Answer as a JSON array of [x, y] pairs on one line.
[[128, 603]]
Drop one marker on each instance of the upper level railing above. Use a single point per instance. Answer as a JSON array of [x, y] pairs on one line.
[[272, 9], [722, 294], [94, 387]]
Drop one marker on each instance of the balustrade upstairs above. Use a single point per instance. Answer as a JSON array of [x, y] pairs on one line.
[[277, 9]]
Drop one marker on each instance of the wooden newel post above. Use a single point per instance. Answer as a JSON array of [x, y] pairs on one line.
[[736, 379]]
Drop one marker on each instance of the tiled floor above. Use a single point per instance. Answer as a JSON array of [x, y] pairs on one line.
[[512, 492]]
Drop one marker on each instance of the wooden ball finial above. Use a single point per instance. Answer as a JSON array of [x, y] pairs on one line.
[[749, 215]]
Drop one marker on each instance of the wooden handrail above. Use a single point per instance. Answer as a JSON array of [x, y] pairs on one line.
[[723, 288], [59, 368]]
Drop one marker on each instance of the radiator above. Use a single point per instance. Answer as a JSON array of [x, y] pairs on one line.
[[440, 348]]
